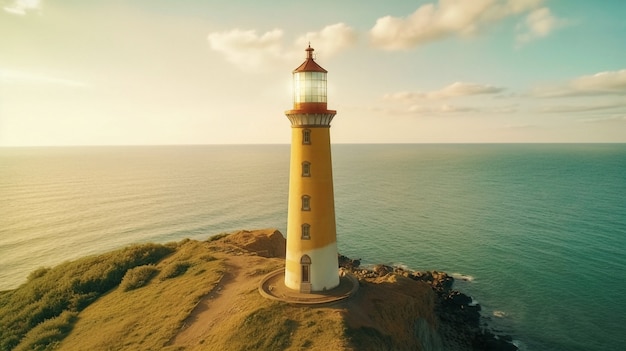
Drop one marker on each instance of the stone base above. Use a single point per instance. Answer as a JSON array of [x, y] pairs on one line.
[[273, 287]]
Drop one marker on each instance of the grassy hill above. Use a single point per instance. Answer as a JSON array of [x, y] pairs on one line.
[[202, 295]]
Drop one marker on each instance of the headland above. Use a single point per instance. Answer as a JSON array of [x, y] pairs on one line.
[[201, 295]]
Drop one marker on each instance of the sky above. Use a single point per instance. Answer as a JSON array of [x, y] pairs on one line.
[[157, 72]]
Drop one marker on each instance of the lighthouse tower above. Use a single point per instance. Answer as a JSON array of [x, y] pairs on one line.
[[311, 259]]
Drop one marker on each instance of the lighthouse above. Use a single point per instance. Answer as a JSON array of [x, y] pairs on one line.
[[311, 259]]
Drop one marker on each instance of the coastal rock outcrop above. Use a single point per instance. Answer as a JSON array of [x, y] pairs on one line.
[[264, 242], [458, 318]]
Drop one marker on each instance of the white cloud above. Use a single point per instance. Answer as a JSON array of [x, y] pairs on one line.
[[539, 23], [445, 108], [456, 89], [602, 83], [248, 50], [330, 40], [610, 82], [445, 19], [21, 77], [22, 7], [435, 102], [463, 89]]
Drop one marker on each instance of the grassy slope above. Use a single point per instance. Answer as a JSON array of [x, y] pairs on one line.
[[149, 317], [43, 310]]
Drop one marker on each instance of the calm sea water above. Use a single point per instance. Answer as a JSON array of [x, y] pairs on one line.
[[539, 231]]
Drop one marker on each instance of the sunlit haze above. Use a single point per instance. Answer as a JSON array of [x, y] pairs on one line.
[[215, 72]]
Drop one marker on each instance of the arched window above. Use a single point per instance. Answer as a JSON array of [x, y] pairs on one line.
[[306, 136], [306, 231], [306, 169], [306, 203]]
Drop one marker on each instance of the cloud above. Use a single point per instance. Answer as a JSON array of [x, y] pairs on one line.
[[435, 102], [581, 108], [445, 108], [249, 50], [463, 89], [538, 24], [21, 77], [610, 119], [440, 109], [22, 7], [503, 109], [602, 83], [245, 48], [330, 40], [456, 89], [437, 109], [445, 19]]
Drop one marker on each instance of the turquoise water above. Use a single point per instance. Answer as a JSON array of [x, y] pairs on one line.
[[538, 231]]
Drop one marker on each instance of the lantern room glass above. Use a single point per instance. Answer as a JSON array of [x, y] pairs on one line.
[[309, 87]]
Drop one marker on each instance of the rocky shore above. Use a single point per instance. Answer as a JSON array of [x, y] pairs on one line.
[[459, 320]]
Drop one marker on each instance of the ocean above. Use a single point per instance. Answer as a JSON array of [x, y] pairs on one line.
[[535, 233]]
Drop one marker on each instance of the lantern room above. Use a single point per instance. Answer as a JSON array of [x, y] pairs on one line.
[[309, 83]]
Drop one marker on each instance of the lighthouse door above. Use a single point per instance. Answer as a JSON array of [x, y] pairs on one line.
[[305, 279]]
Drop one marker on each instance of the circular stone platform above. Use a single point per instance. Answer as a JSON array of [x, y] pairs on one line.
[[273, 287]]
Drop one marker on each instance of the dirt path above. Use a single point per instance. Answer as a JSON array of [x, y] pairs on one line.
[[220, 304]]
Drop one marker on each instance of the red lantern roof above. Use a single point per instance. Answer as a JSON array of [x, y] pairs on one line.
[[309, 65]]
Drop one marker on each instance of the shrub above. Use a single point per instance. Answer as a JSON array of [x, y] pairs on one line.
[[68, 287], [38, 273], [137, 277], [175, 270], [47, 334]]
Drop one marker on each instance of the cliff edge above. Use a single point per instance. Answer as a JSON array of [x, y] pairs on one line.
[[202, 295]]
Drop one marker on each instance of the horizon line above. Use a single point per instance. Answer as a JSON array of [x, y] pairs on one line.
[[339, 143]]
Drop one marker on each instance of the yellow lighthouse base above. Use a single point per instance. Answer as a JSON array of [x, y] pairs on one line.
[[273, 287]]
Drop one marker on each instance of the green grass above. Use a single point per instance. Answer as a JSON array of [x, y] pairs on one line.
[[147, 318], [69, 287], [267, 329], [175, 270], [137, 277], [47, 334]]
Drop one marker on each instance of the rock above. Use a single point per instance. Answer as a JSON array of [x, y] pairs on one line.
[[459, 322], [490, 342], [348, 263], [264, 242], [382, 270], [459, 298]]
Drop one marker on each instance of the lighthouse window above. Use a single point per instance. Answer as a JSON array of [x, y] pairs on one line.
[[306, 203], [306, 232], [309, 87], [306, 136], [306, 169]]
